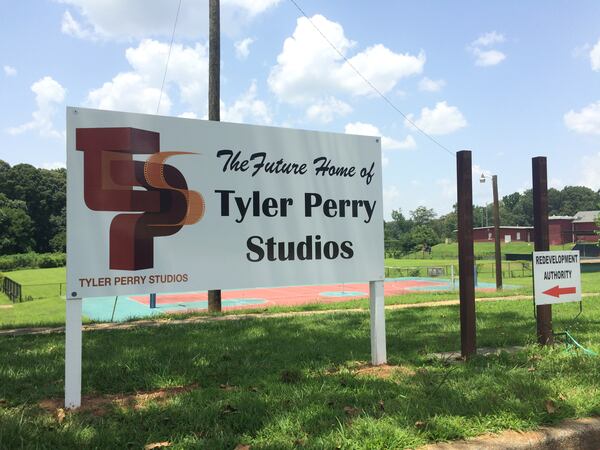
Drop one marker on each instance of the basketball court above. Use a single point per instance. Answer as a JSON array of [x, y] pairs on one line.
[[105, 309]]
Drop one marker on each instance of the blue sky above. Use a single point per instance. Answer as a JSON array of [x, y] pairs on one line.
[[507, 80]]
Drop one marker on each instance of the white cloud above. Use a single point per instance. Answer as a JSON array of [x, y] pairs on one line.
[[486, 58], [48, 95], [139, 90], [73, 28], [586, 121], [10, 71], [382, 67], [242, 48], [308, 67], [442, 119], [136, 19], [591, 171], [391, 200], [447, 190], [491, 57], [326, 109], [54, 165], [556, 183], [595, 57], [428, 85], [247, 109], [387, 143], [130, 92], [188, 115], [487, 39]]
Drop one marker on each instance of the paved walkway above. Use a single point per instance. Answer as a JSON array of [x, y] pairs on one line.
[[205, 319]]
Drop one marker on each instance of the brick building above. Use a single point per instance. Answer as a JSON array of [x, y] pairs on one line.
[[563, 230], [507, 234], [579, 228]]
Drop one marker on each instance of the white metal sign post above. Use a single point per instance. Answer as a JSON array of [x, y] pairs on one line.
[[162, 204], [556, 277]]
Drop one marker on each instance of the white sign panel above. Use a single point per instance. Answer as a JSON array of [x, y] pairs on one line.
[[162, 204], [556, 277]]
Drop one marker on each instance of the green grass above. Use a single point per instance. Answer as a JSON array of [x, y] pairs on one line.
[[39, 276], [290, 382], [51, 311], [481, 249], [45, 312], [4, 300]]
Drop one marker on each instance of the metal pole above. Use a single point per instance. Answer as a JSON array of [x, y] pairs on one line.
[[497, 234], [73, 344], [466, 259], [214, 101], [542, 239], [377, 310]]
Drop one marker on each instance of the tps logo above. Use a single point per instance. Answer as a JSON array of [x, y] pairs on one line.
[[161, 208]]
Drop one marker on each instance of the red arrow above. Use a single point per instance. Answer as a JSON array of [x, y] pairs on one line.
[[557, 291]]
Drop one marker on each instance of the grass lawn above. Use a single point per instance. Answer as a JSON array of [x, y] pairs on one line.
[[284, 383], [39, 276], [51, 311], [481, 249]]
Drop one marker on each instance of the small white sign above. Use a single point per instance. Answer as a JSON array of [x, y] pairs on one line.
[[556, 277]]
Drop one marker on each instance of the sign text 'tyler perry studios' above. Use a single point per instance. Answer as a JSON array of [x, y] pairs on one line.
[[160, 204]]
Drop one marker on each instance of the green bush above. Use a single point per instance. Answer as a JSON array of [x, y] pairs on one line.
[[32, 261]]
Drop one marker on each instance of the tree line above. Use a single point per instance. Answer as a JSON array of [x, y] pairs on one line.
[[32, 209], [423, 228], [33, 213]]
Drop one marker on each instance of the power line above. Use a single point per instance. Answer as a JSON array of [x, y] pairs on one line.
[[371, 85], [162, 86]]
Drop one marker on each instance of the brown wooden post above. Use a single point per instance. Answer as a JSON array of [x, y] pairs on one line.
[[497, 234], [466, 258], [542, 239], [214, 101]]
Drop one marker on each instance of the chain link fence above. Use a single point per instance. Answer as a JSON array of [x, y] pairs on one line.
[[18, 292]]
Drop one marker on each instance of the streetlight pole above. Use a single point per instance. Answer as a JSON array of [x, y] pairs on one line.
[[498, 251]]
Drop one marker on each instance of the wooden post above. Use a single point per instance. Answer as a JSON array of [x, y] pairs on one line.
[[214, 100], [542, 239], [466, 258], [497, 234]]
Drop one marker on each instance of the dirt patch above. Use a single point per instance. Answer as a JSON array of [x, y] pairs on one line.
[[383, 371], [6, 306], [100, 405]]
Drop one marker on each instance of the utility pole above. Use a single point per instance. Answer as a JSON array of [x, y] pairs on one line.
[[214, 103], [497, 234], [466, 257]]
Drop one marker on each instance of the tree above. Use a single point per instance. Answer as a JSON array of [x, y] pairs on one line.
[[578, 198], [16, 227], [397, 226], [44, 193], [422, 215], [423, 236]]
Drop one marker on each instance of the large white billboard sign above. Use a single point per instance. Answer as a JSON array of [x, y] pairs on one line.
[[162, 204]]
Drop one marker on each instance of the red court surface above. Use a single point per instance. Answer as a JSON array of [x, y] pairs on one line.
[[299, 295]]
